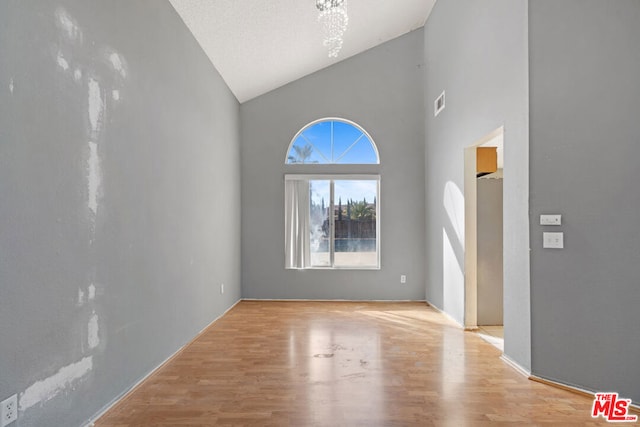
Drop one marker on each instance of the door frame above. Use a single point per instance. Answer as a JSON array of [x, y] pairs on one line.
[[470, 192]]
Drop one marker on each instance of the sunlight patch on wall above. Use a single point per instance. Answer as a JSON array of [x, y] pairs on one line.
[[453, 201], [453, 281]]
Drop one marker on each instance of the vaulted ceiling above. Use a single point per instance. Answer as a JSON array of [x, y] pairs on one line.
[[260, 45]]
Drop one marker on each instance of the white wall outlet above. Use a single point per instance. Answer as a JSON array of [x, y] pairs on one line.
[[403, 278], [9, 410], [550, 219], [222, 288], [553, 240]]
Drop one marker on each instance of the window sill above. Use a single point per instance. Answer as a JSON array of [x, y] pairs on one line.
[[336, 268]]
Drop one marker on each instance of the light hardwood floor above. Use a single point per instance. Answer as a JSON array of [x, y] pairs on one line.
[[342, 364]]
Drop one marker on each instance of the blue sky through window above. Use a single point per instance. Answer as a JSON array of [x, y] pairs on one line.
[[345, 190], [332, 142], [356, 190]]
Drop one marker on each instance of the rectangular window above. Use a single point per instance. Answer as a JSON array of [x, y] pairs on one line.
[[332, 221]]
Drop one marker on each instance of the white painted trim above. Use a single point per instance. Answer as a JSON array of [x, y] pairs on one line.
[[553, 383], [332, 300], [470, 193], [515, 365], [127, 392], [445, 314], [331, 119], [574, 389], [346, 267], [332, 176]]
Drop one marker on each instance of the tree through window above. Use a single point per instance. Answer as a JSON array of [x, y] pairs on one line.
[[332, 141], [332, 220]]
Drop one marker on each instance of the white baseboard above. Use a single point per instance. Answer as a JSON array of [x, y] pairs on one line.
[[515, 365], [445, 314], [128, 391], [574, 389]]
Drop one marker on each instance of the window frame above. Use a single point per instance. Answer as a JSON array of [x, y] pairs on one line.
[[331, 119], [332, 177]]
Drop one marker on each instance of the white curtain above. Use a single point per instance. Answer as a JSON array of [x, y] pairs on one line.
[[296, 213]]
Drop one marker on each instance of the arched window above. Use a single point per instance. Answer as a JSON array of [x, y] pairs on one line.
[[332, 141], [332, 220]]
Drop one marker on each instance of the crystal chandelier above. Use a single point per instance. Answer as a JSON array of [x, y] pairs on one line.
[[334, 20]]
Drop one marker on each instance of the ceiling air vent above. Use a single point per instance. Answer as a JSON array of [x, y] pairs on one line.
[[438, 105]]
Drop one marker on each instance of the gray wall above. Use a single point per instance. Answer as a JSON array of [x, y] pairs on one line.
[[477, 52], [132, 193], [381, 90], [490, 266], [585, 146]]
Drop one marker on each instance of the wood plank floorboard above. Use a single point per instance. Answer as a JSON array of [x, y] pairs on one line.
[[269, 363]]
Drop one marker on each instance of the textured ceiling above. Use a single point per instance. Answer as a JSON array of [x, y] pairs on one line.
[[258, 46]]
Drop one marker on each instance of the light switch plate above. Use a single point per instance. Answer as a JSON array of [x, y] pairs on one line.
[[550, 219], [553, 240]]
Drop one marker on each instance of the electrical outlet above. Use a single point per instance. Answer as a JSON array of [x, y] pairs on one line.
[[9, 410], [222, 288], [403, 278], [553, 240]]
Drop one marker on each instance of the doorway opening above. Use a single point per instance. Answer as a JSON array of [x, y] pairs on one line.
[[484, 277]]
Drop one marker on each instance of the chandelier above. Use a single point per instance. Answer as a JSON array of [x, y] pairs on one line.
[[334, 20]]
